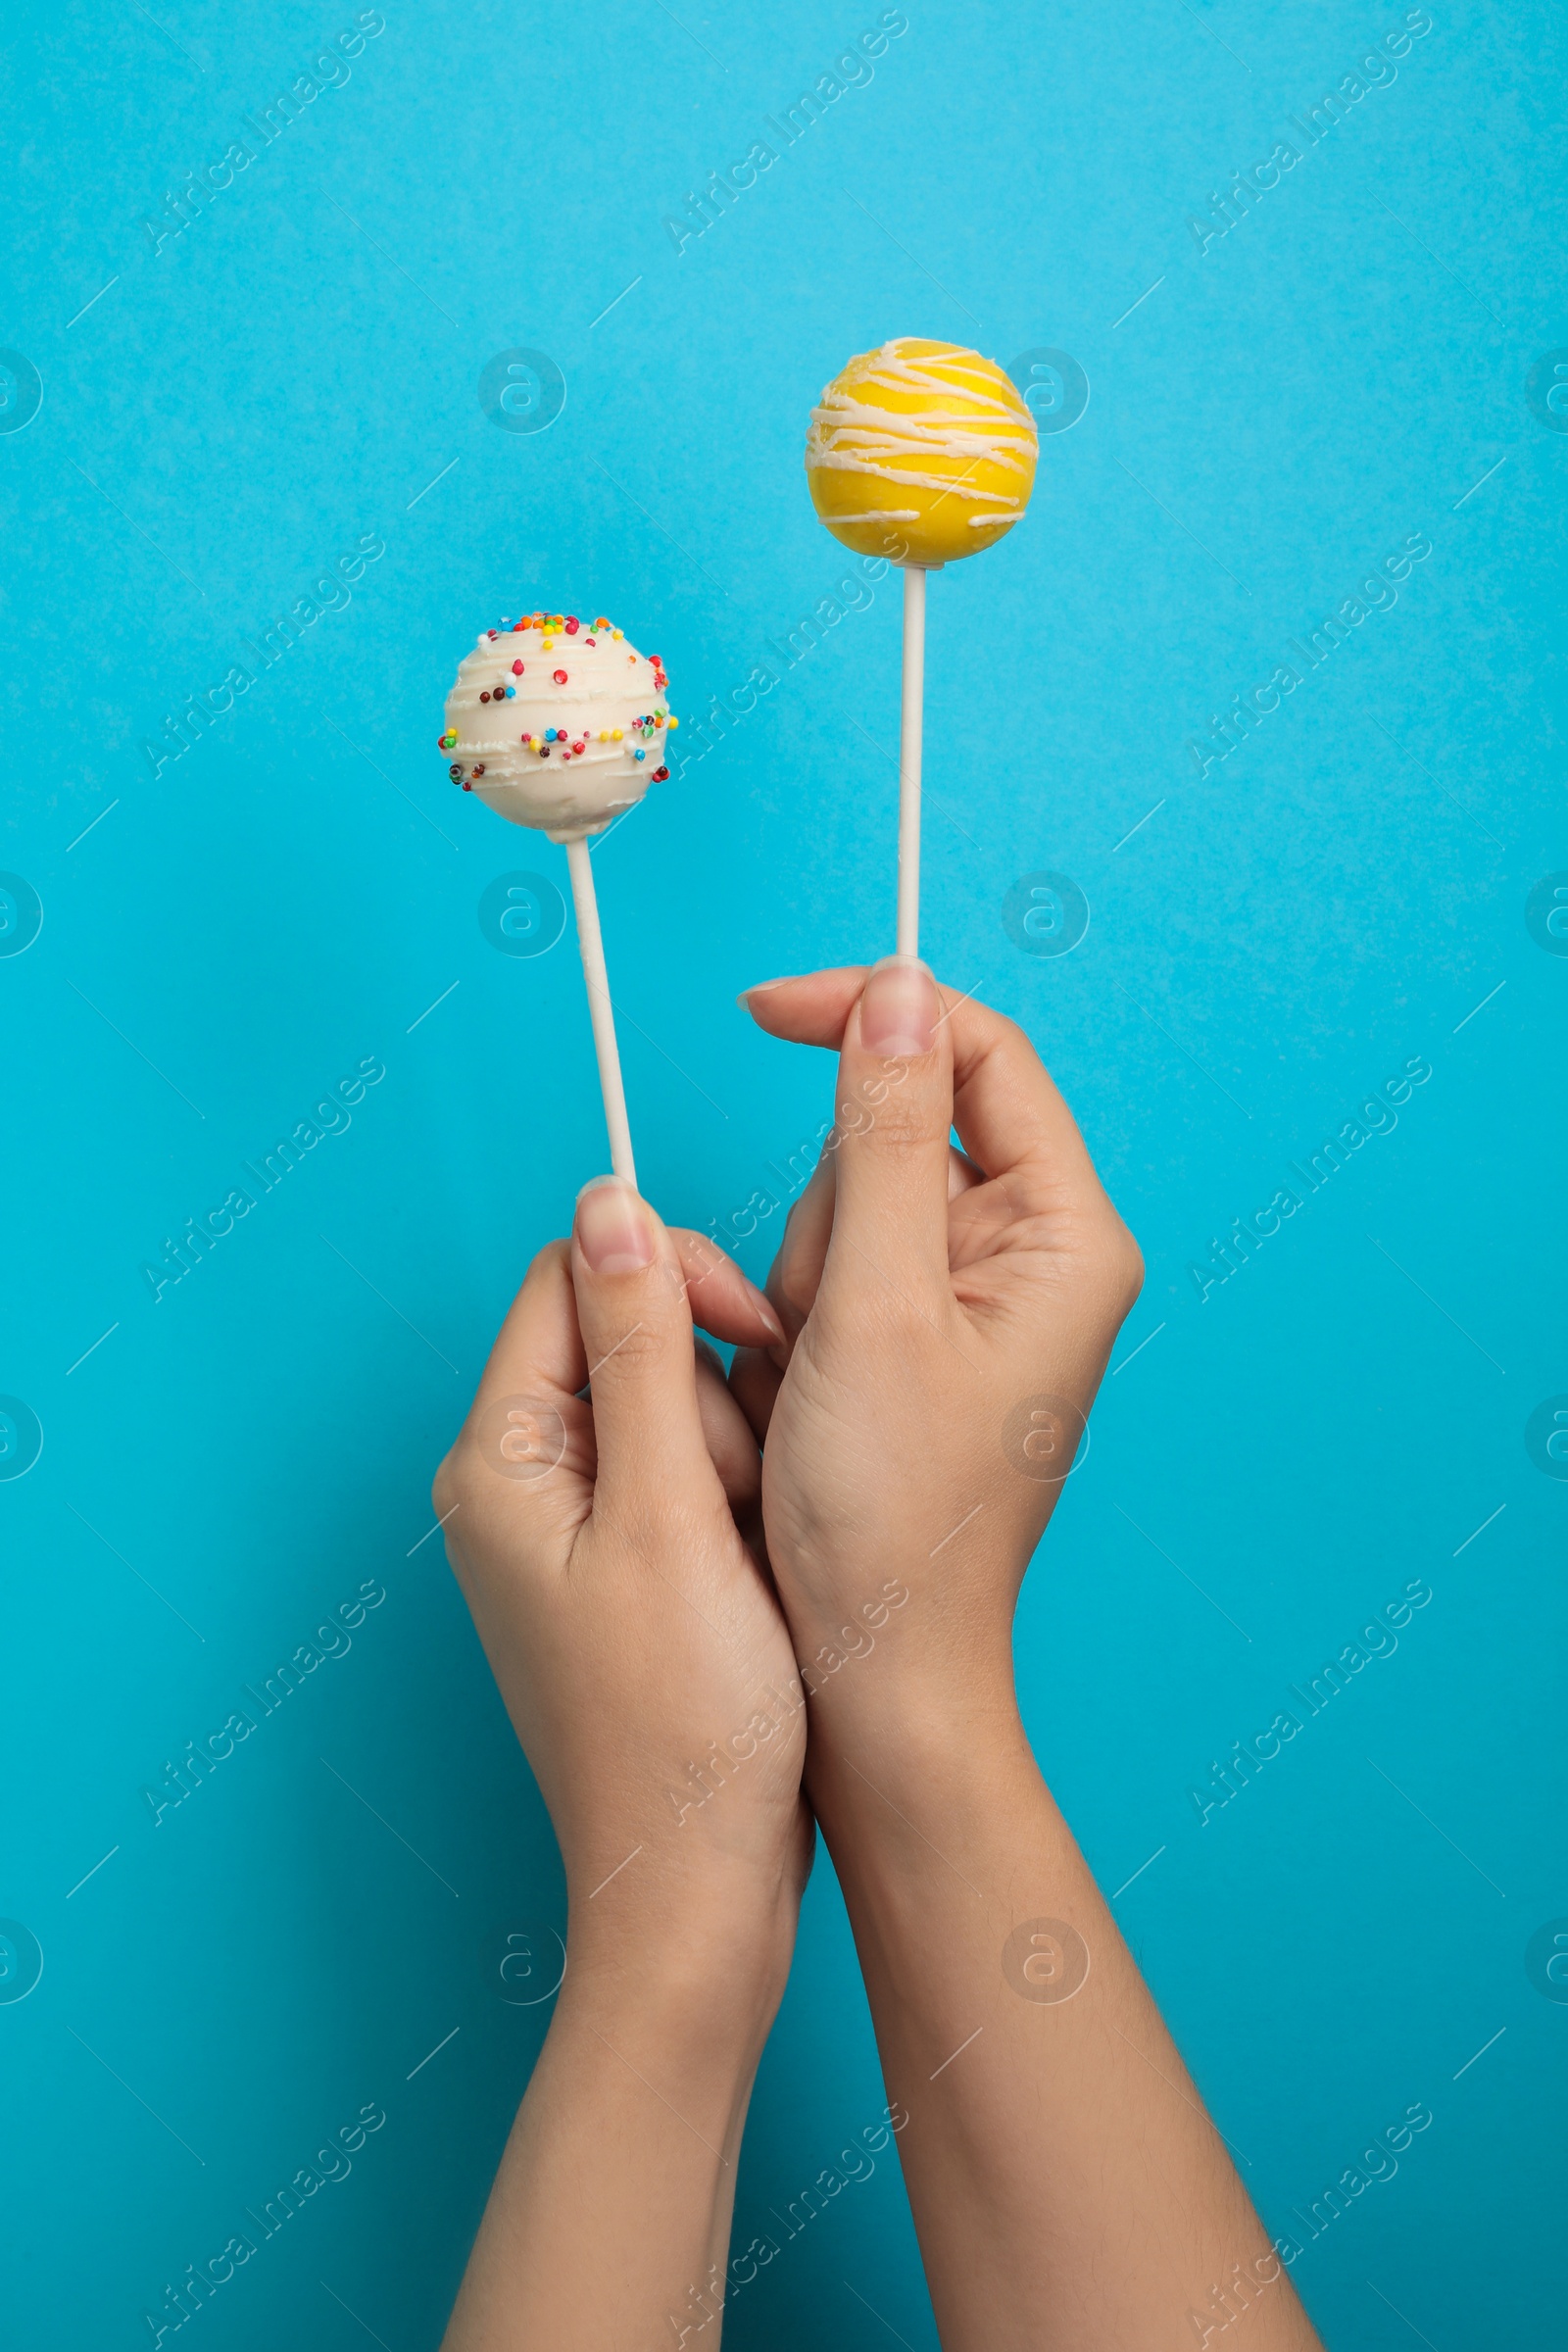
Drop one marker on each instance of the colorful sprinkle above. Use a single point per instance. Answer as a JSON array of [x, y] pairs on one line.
[[639, 734]]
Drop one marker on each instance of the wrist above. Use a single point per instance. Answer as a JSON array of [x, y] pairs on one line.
[[932, 1802], [914, 1657], [704, 1955], [932, 1698], [660, 2041]]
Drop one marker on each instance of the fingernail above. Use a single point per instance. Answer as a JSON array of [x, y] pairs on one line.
[[899, 1008], [759, 988], [763, 1305], [612, 1229]]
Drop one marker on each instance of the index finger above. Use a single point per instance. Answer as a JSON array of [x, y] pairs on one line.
[[1009, 1115]]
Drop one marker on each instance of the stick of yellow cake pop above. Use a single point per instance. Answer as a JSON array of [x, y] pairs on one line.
[[911, 716], [560, 724], [923, 452]]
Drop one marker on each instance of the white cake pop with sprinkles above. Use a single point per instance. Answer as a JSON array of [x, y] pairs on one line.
[[558, 723]]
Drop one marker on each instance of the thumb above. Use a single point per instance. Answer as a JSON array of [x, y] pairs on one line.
[[893, 1112], [637, 1335]]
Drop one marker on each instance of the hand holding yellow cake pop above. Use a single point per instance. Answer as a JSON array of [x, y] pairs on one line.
[[921, 452]]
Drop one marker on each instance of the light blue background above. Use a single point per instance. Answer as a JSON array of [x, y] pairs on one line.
[[232, 937]]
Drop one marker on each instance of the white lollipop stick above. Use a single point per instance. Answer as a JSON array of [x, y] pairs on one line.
[[600, 1009], [909, 730]]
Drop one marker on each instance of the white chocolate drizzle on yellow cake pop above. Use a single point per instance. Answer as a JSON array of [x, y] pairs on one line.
[[921, 417]]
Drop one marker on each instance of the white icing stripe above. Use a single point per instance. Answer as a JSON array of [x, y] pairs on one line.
[[937, 375], [858, 453], [609, 684], [890, 515], [854, 435], [839, 410], [869, 429], [832, 461]]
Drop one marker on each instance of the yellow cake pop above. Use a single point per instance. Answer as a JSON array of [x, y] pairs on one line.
[[920, 452]]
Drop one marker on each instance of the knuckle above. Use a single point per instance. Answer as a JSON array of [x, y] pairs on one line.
[[898, 1327], [652, 1530], [625, 1353], [456, 1484], [1006, 1043], [894, 1129], [1118, 1263]]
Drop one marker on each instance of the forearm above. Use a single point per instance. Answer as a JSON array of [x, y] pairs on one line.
[[610, 2212], [1067, 2185]]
